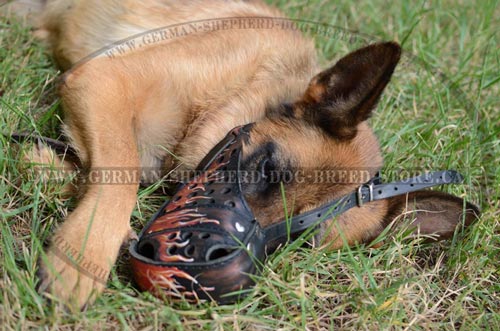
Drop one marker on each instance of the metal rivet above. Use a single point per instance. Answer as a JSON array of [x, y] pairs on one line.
[[239, 227]]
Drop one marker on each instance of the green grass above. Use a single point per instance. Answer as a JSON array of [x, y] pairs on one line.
[[440, 111]]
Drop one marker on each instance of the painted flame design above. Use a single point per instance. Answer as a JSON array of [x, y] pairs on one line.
[[180, 218], [173, 239], [165, 281]]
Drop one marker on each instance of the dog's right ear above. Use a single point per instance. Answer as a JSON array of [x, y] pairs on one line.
[[340, 98], [432, 212]]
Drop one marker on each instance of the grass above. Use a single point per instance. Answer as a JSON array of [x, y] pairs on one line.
[[440, 111]]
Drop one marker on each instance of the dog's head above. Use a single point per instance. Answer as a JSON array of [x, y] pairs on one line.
[[321, 147], [298, 151]]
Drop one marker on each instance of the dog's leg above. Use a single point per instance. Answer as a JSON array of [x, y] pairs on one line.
[[100, 121]]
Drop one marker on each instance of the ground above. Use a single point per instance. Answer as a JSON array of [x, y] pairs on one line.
[[441, 111]]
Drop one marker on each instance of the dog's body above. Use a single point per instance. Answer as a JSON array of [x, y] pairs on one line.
[[180, 96]]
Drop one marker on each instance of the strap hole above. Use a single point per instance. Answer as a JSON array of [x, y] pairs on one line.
[[319, 215], [177, 198], [190, 195], [192, 186], [204, 235], [210, 192], [226, 190], [411, 185], [172, 236], [395, 188], [301, 222], [379, 191]]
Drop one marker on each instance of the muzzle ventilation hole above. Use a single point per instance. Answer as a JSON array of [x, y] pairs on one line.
[[204, 235], [186, 235], [172, 250], [218, 252], [230, 203], [147, 249], [189, 250]]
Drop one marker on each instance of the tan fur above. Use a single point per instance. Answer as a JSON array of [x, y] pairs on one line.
[[180, 97]]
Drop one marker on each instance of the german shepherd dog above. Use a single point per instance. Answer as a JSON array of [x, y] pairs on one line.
[[180, 96]]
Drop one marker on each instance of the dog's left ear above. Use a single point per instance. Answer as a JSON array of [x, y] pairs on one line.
[[432, 212], [340, 98]]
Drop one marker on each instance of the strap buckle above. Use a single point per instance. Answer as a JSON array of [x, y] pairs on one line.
[[360, 196]]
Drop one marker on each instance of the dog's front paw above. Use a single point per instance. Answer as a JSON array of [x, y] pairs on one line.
[[72, 281], [75, 268]]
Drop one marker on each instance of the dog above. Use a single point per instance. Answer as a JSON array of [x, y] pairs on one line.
[[164, 105]]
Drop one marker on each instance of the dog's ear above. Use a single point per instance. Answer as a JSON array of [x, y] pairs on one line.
[[341, 97], [433, 213]]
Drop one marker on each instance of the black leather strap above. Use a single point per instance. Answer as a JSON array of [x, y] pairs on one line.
[[371, 191]]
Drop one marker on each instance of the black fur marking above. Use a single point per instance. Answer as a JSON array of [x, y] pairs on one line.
[[287, 110], [283, 111], [265, 169]]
